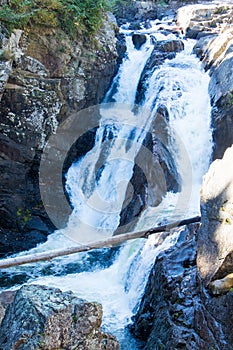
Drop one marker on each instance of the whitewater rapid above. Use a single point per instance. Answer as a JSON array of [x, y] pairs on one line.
[[182, 86]]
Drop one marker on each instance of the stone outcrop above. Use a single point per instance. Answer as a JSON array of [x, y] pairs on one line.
[[204, 19], [215, 241], [44, 77], [216, 54], [135, 12], [213, 24], [176, 312], [164, 49], [154, 173], [42, 318], [166, 315]]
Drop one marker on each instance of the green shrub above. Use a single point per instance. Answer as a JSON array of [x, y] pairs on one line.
[[70, 15]]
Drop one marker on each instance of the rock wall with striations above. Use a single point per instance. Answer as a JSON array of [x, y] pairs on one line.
[[44, 77]]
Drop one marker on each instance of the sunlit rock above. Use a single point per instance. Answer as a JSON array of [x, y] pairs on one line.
[[215, 239], [45, 318]]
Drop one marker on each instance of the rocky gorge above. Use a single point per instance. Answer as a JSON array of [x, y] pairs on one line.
[[186, 304]]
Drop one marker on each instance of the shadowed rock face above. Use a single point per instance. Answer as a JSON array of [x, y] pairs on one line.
[[45, 318], [175, 311], [154, 174], [138, 40], [45, 78]]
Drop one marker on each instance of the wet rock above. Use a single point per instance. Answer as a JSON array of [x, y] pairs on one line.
[[138, 40], [215, 240], [222, 124], [135, 11], [45, 318], [165, 49], [121, 47], [166, 315], [169, 46], [175, 311], [136, 25], [47, 78], [154, 174]]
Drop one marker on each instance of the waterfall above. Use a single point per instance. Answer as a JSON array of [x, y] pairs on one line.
[[97, 182]]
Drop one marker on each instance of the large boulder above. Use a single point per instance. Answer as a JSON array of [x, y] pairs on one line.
[[138, 40], [154, 174], [166, 316], [215, 239], [42, 318], [163, 49]]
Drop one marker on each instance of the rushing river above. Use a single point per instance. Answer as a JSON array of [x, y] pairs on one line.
[[179, 84]]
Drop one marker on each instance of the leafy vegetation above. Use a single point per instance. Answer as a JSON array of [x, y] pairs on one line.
[[70, 15]]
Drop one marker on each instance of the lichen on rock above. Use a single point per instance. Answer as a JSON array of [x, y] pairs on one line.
[[45, 77], [43, 318]]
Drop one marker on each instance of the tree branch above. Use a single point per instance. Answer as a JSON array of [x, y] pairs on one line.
[[107, 243]]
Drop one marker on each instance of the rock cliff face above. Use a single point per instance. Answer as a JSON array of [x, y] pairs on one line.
[[215, 241], [44, 77], [154, 174], [45, 318], [188, 299]]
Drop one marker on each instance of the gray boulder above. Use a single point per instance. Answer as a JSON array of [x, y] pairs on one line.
[[138, 40], [215, 239], [164, 49], [43, 318]]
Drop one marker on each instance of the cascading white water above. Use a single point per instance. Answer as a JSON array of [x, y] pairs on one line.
[[97, 200], [182, 86]]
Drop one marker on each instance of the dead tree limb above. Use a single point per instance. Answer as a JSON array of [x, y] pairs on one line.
[[107, 243]]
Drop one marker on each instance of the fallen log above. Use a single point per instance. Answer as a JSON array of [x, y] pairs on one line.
[[107, 243]]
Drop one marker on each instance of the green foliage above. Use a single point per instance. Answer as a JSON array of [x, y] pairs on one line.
[[230, 98], [221, 10], [5, 55], [24, 215], [70, 15]]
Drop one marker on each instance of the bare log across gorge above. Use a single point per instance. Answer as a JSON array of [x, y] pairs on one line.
[[107, 243]]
